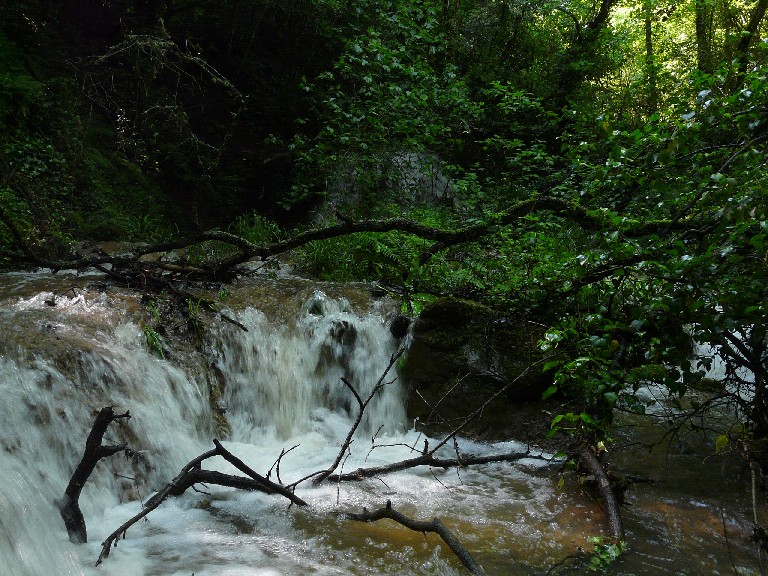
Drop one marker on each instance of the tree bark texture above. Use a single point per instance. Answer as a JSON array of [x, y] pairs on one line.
[[704, 36], [69, 505]]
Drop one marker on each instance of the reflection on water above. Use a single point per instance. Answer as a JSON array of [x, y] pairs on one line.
[[61, 363]]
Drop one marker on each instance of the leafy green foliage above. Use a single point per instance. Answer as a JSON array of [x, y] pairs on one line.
[[364, 256], [257, 229], [482, 104], [155, 342], [604, 554], [390, 92], [56, 182]]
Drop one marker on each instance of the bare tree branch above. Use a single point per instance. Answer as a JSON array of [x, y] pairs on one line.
[[429, 460], [363, 404], [191, 474], [69, 506], [435, 526], [131, 264]]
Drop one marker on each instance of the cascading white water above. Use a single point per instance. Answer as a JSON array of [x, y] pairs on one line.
[[284, 378], [61, 363]]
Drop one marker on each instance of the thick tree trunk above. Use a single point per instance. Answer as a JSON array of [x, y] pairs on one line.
[[747, 36], [602, 16], [650, 59], [755, 19]]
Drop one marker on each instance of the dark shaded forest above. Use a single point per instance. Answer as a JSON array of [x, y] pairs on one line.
[[598, 167]]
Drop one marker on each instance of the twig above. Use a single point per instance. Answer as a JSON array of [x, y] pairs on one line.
[[466, 420], [268, 485], [363, 404], [276, 465]]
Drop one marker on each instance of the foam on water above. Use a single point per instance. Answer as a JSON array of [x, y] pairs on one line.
[[62, 363], [281, 388]]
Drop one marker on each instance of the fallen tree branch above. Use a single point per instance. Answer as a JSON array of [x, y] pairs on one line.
[[130, 264], [435, 526], [427, 457], [428, 460], [192, 474], [266, 485], [69, 505], [612, 511]]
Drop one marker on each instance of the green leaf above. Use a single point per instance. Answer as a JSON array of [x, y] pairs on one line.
[[721, 442], [611, 398], [548, 392], [587, 419], [551, 364]]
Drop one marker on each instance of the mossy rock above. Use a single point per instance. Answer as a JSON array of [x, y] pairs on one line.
[[462, 353]]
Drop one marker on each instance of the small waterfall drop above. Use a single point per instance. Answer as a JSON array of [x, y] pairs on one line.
[[59, 365], [285, 378], [65, 357]]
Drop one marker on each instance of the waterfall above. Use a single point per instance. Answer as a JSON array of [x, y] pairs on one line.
[[285, 378], [65, 357]]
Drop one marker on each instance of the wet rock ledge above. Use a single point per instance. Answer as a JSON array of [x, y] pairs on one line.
[[462, 352]]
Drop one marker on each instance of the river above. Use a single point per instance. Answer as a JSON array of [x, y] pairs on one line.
[[71, 345]]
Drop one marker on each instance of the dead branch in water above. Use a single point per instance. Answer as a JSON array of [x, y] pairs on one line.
[[612, 511], [429, 460], [191, 474], [435, 526], [362, 404], [69, 505]]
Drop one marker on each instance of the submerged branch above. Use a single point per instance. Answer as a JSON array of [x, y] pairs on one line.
[[435, 526], [612, 511]]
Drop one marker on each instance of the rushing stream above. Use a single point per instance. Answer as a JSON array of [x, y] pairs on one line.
[[65, 356]]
